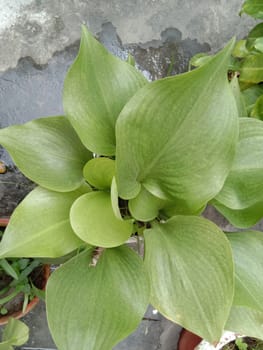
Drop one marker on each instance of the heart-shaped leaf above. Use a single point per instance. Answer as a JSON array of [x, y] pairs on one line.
[[244, 320], [96, 88], [40, 226], [190, 265], [247, 250], [177, 136], [94, 221], [145, 207], [251, 70], [99, 172], [95, 307], [47, 151]]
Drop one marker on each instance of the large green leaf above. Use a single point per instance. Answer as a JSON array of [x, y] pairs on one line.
[[244, 184], [96, 88], [40, 226], [251, 70], [247, 250], [47, 151], [253, 8], [94, 221], [190, 265], [177, 136], [93, 308], [244, 320]]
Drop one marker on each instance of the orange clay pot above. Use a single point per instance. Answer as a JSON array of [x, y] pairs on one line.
[[188, 340]]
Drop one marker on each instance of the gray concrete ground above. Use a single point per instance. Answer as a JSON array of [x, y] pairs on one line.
[[39, 40], [154, 333]]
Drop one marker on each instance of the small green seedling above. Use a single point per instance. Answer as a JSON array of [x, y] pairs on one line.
[[240, 344], [16, 333]]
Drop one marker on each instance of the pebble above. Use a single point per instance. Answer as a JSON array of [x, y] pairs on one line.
[[2, 168]]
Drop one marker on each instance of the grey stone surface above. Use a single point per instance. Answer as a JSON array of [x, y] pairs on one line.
[[38, 28], [154, 333]]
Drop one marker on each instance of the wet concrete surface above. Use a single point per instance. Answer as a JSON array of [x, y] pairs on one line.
[[39, 28]]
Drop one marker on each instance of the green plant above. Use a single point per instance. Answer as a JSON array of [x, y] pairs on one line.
[[16, 333], [240, 344], [240, 200], [137, 158], [16, 286], [244, 343]]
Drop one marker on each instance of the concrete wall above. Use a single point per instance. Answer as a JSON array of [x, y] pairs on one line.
[[38, 28]]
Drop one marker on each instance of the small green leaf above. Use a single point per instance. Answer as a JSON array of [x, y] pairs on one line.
[[254, 34], [175, 145], [47, 151], [190, 265], [251, 95], [40, 226], [244, 320], [242, 218], [145, 207], [131, 60], [247, 250], [259, 44], [99, 172], [253, 8], [96, 307], [8, 268], [97, 87], [200, 59], [240, 102], [16, 332], [257, 111], [93, 220], [251, 70], [240, 49]]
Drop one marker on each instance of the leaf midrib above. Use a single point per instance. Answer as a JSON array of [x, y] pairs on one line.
[[147, 169]]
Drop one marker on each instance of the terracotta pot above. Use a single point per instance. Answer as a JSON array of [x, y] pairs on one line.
[[35, 300], [188, 340]]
